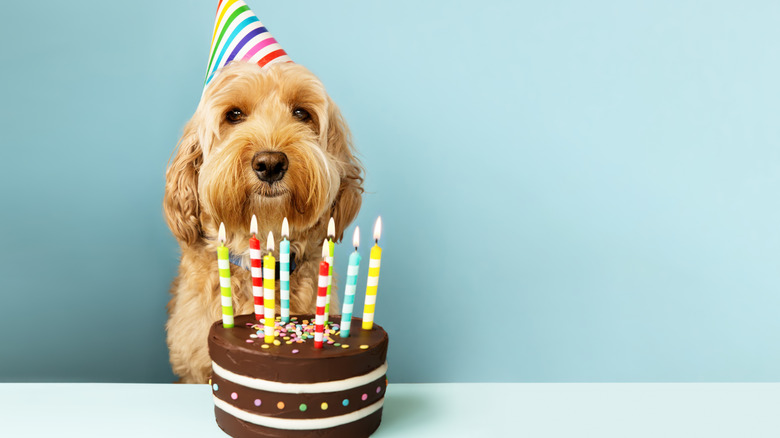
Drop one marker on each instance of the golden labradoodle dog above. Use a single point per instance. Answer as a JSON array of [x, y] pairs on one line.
[[268, 142]]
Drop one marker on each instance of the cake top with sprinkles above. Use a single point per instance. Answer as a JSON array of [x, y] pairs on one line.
[[293, 341]]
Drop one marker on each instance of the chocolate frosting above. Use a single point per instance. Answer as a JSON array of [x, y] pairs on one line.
[[291, 403], [228, 347], [238, 428]]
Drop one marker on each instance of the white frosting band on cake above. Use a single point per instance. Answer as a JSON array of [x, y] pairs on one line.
[[300, 388], [295, 423]]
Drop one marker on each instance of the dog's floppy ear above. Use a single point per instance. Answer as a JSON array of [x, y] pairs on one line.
[[350, 194], [182, 210]]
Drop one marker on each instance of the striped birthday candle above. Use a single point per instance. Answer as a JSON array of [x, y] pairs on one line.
[[329, 259], [223, 262], [240, 36], [322, 290], [372, 283], [269, 289], [284, 271], [349, 290], [256, 270]]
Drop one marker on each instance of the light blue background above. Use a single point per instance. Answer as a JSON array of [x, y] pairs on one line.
[[571, 191]]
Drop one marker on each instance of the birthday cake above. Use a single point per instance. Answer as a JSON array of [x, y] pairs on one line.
[[289, 388]]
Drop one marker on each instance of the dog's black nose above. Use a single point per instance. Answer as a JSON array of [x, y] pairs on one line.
[[270, 166]]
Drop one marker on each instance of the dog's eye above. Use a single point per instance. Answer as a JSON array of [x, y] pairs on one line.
[[234, 115], [301, 114]]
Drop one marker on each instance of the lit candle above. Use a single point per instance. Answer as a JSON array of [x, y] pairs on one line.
[[349, 290], [284, 271], [322, 291], [269, 286], [223, 262], [329, 259], [257, 269], [373, 278]]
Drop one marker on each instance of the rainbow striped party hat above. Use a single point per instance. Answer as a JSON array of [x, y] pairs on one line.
[[240, 36]]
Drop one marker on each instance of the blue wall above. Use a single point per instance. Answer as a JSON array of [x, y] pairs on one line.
[[571, 191]]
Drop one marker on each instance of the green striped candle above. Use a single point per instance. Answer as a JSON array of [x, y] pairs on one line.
[[223, 262]]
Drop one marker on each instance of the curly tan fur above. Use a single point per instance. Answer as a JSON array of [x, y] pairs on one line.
[[210, 180]]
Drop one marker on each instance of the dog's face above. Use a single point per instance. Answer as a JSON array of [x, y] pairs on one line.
[[268, 142]]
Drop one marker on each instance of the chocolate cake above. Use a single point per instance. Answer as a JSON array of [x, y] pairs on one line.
[[291, 389]]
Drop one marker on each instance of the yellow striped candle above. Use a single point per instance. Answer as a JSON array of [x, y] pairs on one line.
[[269, 289], [223, 262], [329, 259], [372, 282]]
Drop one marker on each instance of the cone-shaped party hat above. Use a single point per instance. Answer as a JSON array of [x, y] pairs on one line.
[[240, 36]]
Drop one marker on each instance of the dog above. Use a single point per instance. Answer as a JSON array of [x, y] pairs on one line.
[[263, 141]]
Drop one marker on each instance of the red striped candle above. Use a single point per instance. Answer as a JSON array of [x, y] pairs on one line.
[[257, 269], [322, 292]]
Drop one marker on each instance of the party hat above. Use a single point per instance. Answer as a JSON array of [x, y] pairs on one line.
[[240, 36]]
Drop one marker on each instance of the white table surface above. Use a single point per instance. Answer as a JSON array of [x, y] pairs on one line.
[[416, 410]]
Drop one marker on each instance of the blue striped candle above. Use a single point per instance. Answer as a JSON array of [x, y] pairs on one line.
[[284, 272], [349, 290]]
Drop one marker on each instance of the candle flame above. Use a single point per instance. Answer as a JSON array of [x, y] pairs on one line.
[[285, 229], [356, 238], [253, 226], [378, 229], [331, 229], [270, 242], [325, 248], [222, 238]]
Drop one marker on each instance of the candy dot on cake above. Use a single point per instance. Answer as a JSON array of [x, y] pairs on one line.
[[302, 407], [324, 406], [280, 405], [234, 395], [364, 397], [345, 402], [378, 389], [215, 386], [258, 402]]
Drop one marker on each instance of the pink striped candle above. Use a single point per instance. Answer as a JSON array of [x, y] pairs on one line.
[[322, 292], [257, 269]]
